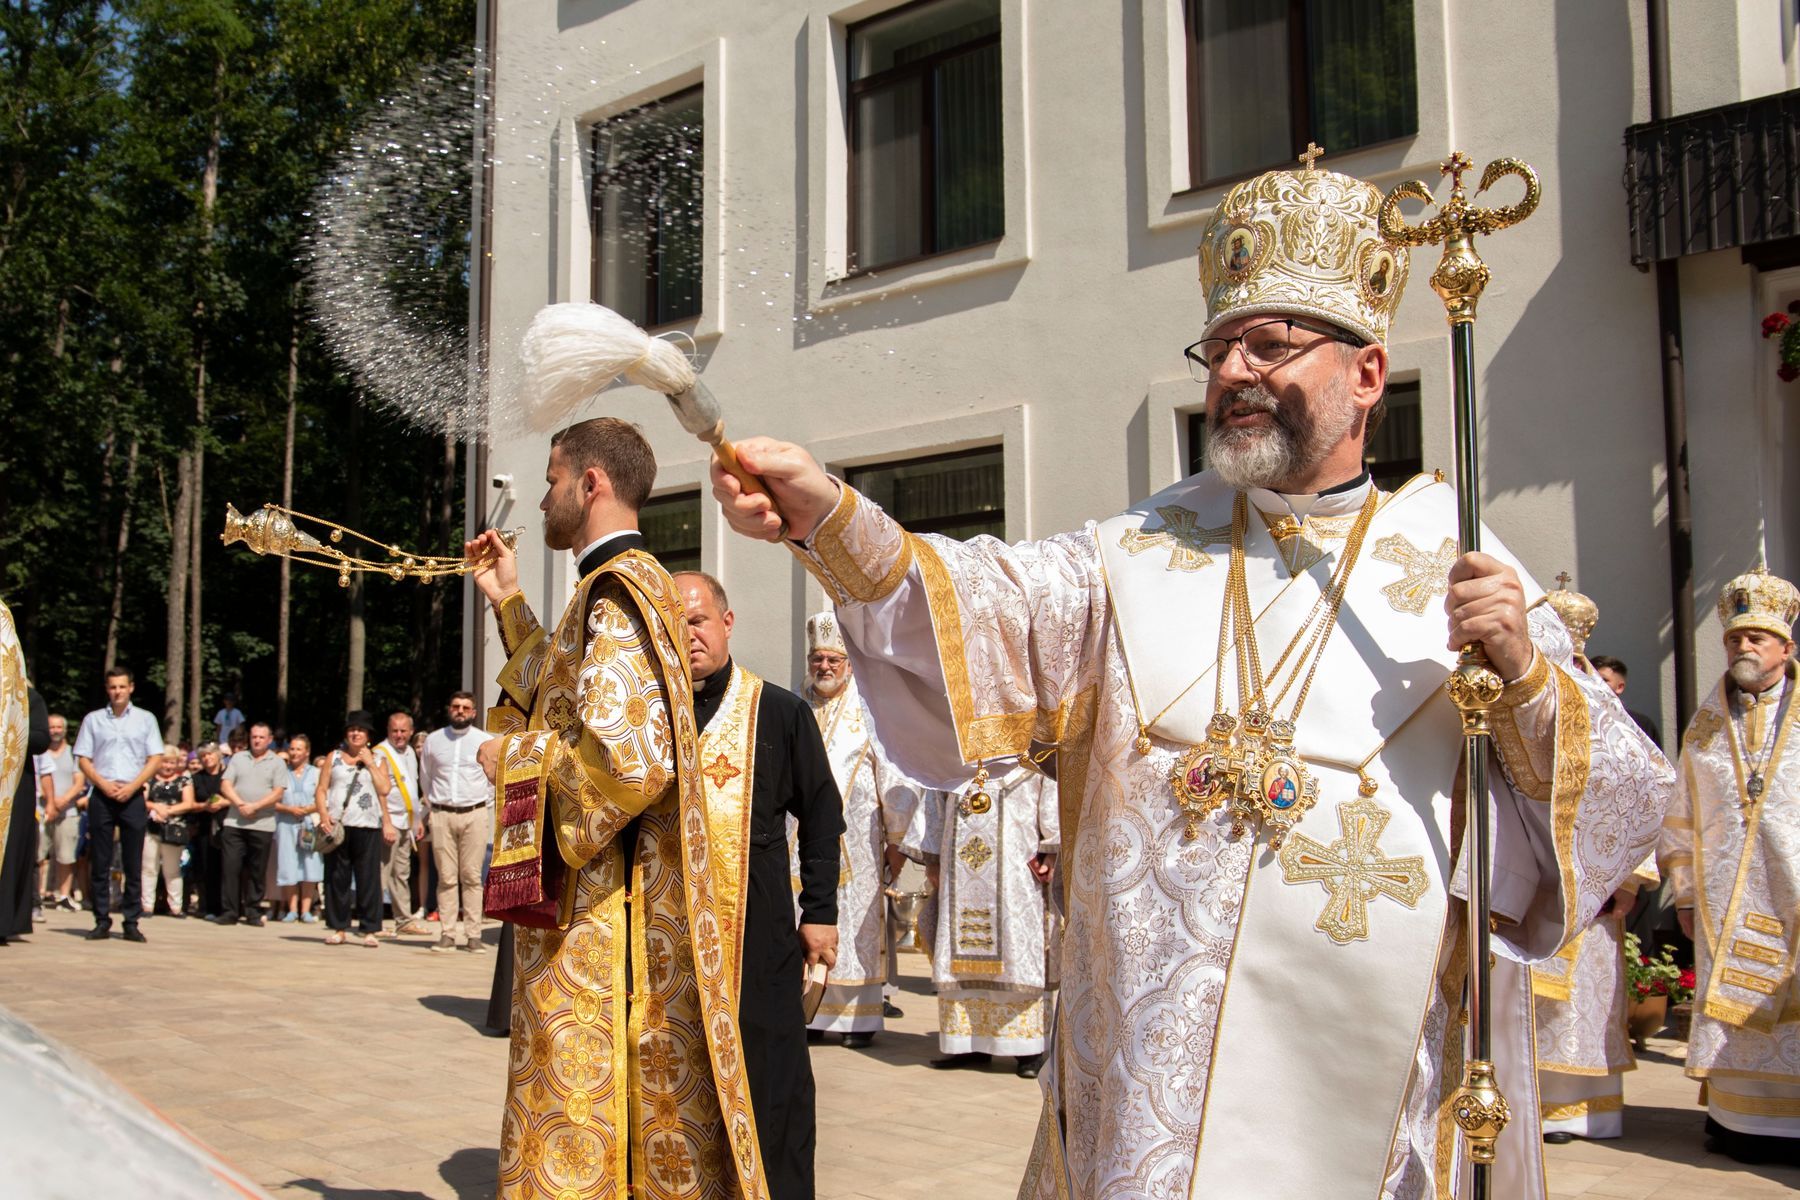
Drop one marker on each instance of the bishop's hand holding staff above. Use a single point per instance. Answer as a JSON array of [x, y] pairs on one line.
[[1256, 759]]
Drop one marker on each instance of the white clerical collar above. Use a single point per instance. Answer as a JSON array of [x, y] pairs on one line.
[[1334, 503], [581, 555]]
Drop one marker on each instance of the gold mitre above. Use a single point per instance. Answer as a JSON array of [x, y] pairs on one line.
[[1759, 600], [823, 633], [1306, 243], [1579, 614]]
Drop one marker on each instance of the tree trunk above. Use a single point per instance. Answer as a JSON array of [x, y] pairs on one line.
[[116, 612], [287, 501], [209, 197], [175, 651], [440, 592], [353, 689]]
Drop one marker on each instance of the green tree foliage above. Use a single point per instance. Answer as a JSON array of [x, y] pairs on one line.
[[109, 280]]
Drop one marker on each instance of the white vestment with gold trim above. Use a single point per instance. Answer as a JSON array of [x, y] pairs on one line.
[[1735, 859], [878, 803], [1583, 1051], [1206, 1014], [997, 938]]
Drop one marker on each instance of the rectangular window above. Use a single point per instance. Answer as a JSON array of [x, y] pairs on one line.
[[1393, 455], [671, 527], [1395, 452], [958, 495], [1266, 77], [648, 210], [925, 132]]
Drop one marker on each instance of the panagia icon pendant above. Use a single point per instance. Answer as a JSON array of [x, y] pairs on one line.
[[1248, 766]]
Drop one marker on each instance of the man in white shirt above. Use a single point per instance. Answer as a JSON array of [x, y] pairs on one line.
[[403, 808], [63, 792], [457, 791], [117, 750], [228, 720]]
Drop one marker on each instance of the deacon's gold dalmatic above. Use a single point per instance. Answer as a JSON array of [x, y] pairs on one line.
[[626, 1075], [15, 714]]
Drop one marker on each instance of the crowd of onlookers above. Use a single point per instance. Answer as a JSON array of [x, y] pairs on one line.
[[377, 831]]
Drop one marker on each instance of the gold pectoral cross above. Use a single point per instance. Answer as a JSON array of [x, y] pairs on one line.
[[1181, 534], [1353, 871]]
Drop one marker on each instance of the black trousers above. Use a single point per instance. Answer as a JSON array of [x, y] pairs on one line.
[[243, 865], [777, 1067], [357, 861], [129, 817]]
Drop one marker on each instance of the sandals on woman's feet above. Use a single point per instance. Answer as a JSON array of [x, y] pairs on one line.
[[334, 938], [371, 941]]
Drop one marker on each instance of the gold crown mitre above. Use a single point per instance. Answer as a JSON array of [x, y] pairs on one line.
[[823, 633], [1304, 242], [1759, 600], [1579, 614]]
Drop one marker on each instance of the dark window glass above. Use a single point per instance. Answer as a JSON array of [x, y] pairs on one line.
[[1393, 455], [958, 495], [648, 210], [1395, 452], [925, 132], [671, 527], [1266, 77]]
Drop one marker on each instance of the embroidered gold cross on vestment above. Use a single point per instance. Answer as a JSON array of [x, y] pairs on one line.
[[1182, 534], [721, 772], [1353, 871], [1427, 574]]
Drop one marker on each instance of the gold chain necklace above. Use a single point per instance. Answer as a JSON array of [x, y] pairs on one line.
[[1248, 764]]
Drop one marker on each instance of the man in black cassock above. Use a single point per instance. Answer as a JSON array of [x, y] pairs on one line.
[[790, 776], [18, 842]]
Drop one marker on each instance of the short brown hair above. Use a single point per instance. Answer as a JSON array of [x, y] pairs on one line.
[[712, 585], [469, 696], [119, 673], [616, 448]]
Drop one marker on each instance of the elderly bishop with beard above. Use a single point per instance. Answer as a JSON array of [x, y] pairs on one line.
[[879, 803], [1243, 675]]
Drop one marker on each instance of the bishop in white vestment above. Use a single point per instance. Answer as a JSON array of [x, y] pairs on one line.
[[878, 803], [1578, 997], [990, 851], [1254, 655], [1731, 852]]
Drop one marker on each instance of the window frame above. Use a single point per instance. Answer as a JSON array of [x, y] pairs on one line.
[[851, 474], [671, 499], [1301, 133], [652, 273], [855, 89]]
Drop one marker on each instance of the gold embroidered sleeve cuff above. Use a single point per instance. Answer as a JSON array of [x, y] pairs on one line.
[[858, 553], [516, 620], [1528, 686], [519, 677]]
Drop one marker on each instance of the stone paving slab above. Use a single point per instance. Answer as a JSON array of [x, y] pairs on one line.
[[351, 1073]]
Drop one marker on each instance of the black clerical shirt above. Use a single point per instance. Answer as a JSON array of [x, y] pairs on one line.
[[791, 776]]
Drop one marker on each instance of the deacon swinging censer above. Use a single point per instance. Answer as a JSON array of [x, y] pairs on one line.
[[276, 531]]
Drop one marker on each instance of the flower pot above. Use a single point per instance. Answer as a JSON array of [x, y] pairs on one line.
[[1681, 1016], [1647, 1016]]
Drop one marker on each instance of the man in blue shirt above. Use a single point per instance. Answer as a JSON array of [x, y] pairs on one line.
[[117, 749]]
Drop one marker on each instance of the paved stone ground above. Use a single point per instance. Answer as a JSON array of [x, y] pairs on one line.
[[357, 1074]]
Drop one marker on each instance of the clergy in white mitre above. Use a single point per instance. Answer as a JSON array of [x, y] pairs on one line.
[[1262, 977], [879, 803], [990, 855], [1730, 850], [1578, 997]]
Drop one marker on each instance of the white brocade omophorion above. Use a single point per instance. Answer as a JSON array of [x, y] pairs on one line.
[[1735, 860], [975, 651], [878, 803], [996, 939]]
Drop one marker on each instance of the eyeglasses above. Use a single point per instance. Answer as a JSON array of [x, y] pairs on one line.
[[826, 660], [1265, 345]]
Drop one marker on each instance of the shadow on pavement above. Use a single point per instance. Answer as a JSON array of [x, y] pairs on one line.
[[1678, 1135], [473, 1173], [338, 1192], [470, 1009]]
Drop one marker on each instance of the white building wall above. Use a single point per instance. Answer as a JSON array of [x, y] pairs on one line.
[[1063, 342]]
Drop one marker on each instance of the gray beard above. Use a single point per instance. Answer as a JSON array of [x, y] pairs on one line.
[[1295, 442], [812, 685], [1747, 673]]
